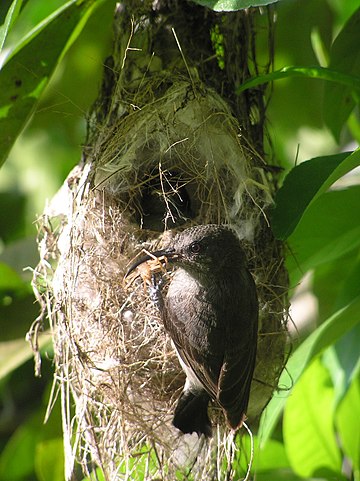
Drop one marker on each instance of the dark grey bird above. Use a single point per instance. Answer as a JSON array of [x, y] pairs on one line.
[[211, 314]]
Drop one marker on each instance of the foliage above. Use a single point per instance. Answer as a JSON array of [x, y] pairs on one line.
[[311, 427], [33, 53]]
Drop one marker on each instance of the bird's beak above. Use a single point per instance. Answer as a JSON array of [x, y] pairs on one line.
[[169, 255]]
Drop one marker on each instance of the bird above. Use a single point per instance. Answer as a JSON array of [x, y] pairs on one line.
[[210, 311]]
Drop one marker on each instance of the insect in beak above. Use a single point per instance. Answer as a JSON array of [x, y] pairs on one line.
[[156, 262]]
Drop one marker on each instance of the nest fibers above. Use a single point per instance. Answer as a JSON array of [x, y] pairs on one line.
[[177, 161]]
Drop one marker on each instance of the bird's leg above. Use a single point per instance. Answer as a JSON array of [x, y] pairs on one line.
[[155, 291]]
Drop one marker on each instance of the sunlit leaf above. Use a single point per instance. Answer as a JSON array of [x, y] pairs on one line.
[[303, 185], [308, 426], [325, 335], [9, 20], [14, 353], [144, 464], [49, 460], [278, 475], [98, 474], [339, 100], [348, 425], [267, 458]]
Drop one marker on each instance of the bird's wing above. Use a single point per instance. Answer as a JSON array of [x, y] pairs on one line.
[[196, 364], [240, 357], [235, 382]]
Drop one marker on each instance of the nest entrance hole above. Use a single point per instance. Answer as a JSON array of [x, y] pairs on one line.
[[164, 199]]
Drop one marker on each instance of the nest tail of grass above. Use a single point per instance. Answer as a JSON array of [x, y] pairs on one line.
[[178, 161]]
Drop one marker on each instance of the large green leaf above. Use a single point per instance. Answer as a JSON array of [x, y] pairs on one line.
[[329, 229], [325, 335], [232, 5], [328, 281], [49, 460], [343, 362], [346, 349], [16, 352], [303, 185], [278, 475], [10, 279], [351, 286], [19, 456], [270, 457], [348, 425], [28, 69], [10, 18], [321, 73], [335, 284], [308, 426], [339, 100]]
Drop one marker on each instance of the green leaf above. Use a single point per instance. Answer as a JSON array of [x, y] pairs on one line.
[[348, 425], [328, 283], [17, 352], [9, 279], [232, 5], [9, 21], [346, 349], [267, 458], [325, 335], [339, 100], [32, 31], [12, 215], [28, 69], [347, 358], [49, 460], [283, 475], [308, 426], [96, 474], [351, 286], [321, 73], [303, 185], [343, 364], [328, 230], [145, 464], [17, 458]]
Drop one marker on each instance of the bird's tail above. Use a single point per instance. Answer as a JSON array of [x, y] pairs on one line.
[[191, 414]]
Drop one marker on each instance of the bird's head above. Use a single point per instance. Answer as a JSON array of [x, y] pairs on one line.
[[201, 249]]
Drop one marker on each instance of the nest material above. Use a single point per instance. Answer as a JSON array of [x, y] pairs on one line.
[[112, 356]]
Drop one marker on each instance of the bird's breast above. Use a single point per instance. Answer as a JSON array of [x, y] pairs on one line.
[[192, 312]]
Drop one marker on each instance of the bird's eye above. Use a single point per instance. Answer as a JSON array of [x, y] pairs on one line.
[[195, 247]]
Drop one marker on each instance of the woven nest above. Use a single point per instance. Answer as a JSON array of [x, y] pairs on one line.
[[177, 161]]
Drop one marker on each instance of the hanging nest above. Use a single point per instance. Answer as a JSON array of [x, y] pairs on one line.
[[174, 160], [177, 162]]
